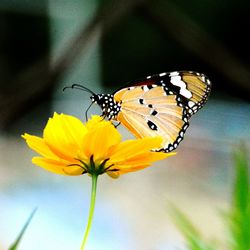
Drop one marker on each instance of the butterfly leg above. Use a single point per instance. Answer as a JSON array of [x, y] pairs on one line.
[[117, 125], [86, 112], [103, 116]]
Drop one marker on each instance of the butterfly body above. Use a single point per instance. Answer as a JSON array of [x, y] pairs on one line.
[[159, 105], [110, 107]]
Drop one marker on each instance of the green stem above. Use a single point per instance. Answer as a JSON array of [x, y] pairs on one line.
[[91, 210]]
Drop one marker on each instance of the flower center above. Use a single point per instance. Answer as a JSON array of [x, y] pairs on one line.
[[92, 168]]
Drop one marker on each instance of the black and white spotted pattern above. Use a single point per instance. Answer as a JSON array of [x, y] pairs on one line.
[[110, 108]]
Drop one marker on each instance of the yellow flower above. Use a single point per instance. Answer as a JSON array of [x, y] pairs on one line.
[[72, 148]]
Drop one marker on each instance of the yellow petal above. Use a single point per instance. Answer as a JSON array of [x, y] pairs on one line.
[[37, 144], [113, 174], [140, 162], [100, 138], [132, 169], [146, 157], [56, 166], [130, 148], [94, 121], [64, 135], [137, 154]]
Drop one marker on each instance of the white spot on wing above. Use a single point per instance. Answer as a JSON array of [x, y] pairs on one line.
[[191, 104], [163, 74], [176, 80], [174, 73], [130, 88], [179, 139]]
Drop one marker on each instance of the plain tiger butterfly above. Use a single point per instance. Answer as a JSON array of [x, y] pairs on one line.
[[160, 104]]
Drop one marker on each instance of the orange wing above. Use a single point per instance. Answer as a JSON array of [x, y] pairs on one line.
[[151, 112]]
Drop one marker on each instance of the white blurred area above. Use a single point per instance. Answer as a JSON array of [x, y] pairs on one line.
[[131, 212]]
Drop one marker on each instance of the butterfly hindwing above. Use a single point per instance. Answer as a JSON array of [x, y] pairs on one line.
[[153, 113], [162, 105]]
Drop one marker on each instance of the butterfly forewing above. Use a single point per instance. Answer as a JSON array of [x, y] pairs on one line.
[[192, 87]]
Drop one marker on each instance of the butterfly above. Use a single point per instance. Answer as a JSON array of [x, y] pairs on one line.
[[158, 105]]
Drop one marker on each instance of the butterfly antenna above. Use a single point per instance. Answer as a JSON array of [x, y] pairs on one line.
[[80, 87], [83, 88]]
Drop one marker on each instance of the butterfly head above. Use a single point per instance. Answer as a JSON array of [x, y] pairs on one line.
[[110, 108]]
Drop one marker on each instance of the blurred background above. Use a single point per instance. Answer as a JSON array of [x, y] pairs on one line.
[[49, 44]]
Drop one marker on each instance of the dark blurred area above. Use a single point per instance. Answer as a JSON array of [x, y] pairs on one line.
[[24, 40], [138, 38]]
